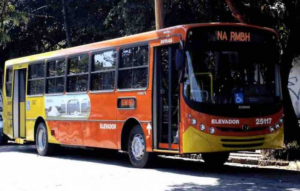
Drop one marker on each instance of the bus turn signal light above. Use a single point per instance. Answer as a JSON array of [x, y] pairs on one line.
[[202, 127], [277, 125], [281, 120], [271, 129], [193, 121]]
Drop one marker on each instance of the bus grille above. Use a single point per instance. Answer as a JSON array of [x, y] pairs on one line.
[[245, 143], [242, 140], [251, 129]]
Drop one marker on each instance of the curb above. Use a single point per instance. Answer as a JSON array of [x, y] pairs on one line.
[[294, 165], [259, 162]]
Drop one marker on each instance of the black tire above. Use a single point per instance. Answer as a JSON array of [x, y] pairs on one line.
[[145, 160], [215, 159], [3, 140], [45, 148]]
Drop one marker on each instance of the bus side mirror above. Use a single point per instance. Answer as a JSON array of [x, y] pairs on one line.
[[180, 59]]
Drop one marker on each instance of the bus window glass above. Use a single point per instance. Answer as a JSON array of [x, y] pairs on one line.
[[36, 71], [230, 77], [104, 61], [36, 79], [77, 83], [135, 78], [55, 85], [133, 70], [103, 81], [56, 68], [79, 64], [36, 87], [8, 82], [103, 71], [55, 76], [137, 56], [77, 80]]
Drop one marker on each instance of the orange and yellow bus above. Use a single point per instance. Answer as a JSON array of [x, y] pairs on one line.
[[201, 88]]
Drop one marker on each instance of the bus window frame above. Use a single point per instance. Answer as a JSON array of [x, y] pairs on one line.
[[133, 45], [28, 80], [11, 82], [92, 54], [88, 73], [64, 76]]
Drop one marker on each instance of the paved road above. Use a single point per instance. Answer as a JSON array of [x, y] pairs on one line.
[[75, 169]]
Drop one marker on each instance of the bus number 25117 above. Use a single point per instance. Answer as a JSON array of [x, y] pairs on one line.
[[263, 121]]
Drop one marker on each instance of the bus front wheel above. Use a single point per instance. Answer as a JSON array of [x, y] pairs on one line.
[[42, 145], [138, 156], [215, 159]]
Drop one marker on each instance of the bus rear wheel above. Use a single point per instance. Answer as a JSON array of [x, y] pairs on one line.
[[138, 156], [42, 145], [215, 159]]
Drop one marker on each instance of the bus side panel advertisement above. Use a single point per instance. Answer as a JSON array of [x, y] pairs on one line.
[[67, 107]]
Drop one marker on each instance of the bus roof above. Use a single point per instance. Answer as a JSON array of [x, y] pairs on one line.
[[142, 37]]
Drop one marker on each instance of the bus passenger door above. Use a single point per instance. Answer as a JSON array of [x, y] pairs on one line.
[[19, 87], [166, 99]]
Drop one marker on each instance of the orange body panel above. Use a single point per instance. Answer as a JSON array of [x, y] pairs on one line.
[[166, 146], [96, 137]]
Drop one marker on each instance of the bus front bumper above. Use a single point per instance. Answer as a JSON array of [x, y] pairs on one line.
[[195, 141]]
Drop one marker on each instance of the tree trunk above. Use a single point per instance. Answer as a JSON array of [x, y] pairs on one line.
[[66, 23], [159, 20]]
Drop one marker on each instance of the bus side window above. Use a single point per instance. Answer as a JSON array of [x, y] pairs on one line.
[[77, 79], [103, 71], [55, 77], [8, 82], [133, 68], [36, 79]]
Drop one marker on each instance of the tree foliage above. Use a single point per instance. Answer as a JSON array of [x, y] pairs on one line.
[[9, 19], [43, 27]]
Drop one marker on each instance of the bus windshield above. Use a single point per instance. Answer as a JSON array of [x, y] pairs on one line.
[[231, 77]]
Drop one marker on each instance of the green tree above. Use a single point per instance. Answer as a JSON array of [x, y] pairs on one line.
[[9, 19]]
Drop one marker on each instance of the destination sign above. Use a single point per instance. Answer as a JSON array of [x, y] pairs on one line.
[[233, 36], [228, 37]]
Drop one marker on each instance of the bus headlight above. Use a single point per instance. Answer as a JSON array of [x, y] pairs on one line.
[[202, 127], [193, 121], [271, 128], [281, 120], [212, 130], [277, 125]]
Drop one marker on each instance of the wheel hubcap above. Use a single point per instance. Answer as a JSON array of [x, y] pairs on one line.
[[42, 139], [138, 147]]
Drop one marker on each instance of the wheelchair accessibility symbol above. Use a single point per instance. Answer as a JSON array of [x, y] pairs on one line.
[[239, 98]]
